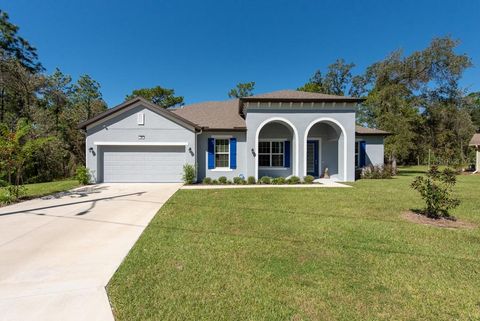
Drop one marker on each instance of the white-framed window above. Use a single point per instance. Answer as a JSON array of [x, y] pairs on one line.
[[222, 153], [271, 153]]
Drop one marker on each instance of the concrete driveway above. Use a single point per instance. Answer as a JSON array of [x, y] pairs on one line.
[[58, 253]]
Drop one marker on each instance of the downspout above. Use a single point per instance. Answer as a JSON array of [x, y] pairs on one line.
[[196, 155]]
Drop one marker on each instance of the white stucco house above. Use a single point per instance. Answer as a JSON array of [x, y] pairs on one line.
[[281, 133]]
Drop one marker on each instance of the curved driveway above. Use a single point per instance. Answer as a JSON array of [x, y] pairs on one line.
[[58, 253]]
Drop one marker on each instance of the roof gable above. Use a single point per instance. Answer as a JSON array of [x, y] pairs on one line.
[[138, 101]]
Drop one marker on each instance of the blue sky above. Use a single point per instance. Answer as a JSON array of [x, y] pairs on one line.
[[203, 48]]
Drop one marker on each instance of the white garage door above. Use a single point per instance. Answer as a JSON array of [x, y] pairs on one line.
[[143, 163]]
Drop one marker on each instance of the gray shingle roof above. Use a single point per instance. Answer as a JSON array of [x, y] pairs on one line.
[[475, 141], [213, 114], [225, 115], [359, 130]]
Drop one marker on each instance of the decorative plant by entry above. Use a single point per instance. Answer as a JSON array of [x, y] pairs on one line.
[[239, 180], [265, 180], [278, 180], [293, 180], [325, 173], [436, 190], [308, 179]]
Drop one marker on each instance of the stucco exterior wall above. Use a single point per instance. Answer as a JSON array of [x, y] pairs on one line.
[[123, 127], [202, 150], [301, 120], [329, 157], [374, 149]]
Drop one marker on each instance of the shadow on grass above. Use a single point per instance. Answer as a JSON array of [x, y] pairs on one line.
[[423, 212], [410, 172]]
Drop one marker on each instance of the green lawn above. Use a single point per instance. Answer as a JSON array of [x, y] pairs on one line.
[[42, 189], [302, 254]]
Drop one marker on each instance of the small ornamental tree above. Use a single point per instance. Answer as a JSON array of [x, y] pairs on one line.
[[436, 190]]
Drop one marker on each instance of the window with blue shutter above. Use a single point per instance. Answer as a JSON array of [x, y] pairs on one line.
[[233, 153], [287, 154], [363, 146], [211, 153]]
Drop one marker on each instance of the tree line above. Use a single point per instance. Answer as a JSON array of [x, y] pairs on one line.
[[39, 113]]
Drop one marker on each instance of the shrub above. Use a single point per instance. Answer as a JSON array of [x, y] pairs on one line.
[[222, 180], [82, 175], [436, 190], [251, 180], [214, 182], [378, 172], [278, 180], [265, 180], [238, 180], [12, 193], [308, 179], [5, 199], [188, 174], [207, 180], [293, 180]]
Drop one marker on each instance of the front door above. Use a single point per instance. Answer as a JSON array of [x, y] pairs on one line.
[[312, 158]]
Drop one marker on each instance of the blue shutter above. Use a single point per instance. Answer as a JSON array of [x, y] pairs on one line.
[[363, 145], [287, 153], [211, 153], [233, 153]]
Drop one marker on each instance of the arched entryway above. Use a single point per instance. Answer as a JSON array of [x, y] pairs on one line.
[[325, 147], [276, 148]]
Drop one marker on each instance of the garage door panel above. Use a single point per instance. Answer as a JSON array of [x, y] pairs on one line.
[[143, 163]]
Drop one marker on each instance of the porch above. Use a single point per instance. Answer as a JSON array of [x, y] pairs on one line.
[[318, 150]]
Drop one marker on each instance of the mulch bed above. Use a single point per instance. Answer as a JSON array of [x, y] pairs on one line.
[[441, 222]]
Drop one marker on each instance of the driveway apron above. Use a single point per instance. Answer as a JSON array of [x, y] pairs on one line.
[[58, 253]]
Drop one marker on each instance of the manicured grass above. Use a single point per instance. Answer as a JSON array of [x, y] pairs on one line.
[[302, 254], [42, 189]]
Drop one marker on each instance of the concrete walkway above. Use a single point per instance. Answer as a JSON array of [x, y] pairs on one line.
[[58, 253]]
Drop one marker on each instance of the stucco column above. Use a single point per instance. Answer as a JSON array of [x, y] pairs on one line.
[[299, 143]]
